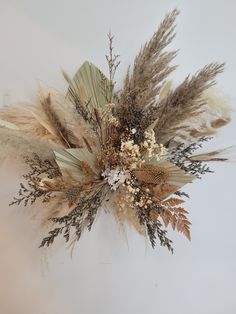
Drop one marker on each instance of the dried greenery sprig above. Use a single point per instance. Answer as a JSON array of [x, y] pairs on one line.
[[180, 156], [113, 64], [80, 217], [28, 194]]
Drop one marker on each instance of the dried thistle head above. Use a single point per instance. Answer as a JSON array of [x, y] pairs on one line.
[[152, 174]]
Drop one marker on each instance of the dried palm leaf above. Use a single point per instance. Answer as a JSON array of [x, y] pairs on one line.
[[86, 89], [72, 162]]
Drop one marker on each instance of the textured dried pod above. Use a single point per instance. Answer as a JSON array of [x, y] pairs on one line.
[[151, 174]]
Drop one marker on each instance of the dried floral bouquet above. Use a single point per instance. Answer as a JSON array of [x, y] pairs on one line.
[[131, 150]]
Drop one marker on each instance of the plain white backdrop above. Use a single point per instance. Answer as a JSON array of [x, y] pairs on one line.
[[106, 275]]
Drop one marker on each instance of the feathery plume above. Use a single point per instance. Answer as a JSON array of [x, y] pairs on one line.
[[184, 102]]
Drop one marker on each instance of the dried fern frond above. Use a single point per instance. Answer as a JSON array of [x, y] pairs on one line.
[[172, 214], [183, 102]]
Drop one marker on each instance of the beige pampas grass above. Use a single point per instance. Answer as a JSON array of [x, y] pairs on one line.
[[151, 66], [29, 118], [185, 101], [216, 114], [15, 144]]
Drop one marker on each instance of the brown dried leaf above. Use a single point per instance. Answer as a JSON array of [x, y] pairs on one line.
[[153, 215], [172, 202]]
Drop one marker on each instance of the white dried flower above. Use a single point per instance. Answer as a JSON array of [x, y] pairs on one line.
[[115, 177]]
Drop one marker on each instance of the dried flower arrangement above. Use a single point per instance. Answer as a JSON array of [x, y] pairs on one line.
[[132, 150]]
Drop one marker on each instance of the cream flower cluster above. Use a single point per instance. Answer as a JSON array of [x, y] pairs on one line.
[[130, 152], [151, 148]]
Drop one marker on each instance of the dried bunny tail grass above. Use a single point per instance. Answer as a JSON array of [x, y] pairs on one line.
[[15, 145], [62, 132], [185, 101], [70, 126]]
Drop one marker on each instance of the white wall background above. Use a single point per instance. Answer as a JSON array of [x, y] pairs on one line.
[[105, 276]]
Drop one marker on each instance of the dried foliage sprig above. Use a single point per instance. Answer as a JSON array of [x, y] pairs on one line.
[[33, 190], [113, 64], [133, 150], [181, 157]]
